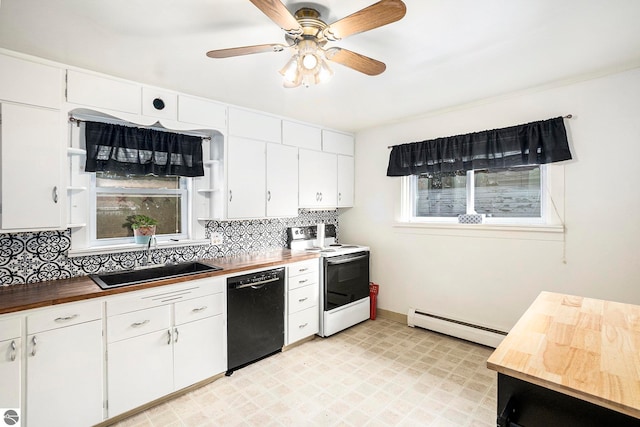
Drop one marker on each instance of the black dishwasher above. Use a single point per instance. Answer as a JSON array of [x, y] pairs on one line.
[[255, 317]]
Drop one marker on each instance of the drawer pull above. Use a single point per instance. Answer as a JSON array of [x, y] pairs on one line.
[[65, 319], [138, 324], [35, 343], [303, 299], [303, 325], [13, 351], [303, 281], [303, 269], [199, 309]]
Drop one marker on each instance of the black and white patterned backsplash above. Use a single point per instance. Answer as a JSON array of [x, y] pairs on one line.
[[42, 256]]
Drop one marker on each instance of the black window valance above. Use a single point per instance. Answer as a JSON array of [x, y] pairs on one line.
[[141, 151], [528, 144]]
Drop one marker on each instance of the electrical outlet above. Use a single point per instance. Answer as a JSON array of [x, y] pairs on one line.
[[216, 238]]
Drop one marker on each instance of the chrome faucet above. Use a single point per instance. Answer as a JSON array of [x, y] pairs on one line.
[[147, 259]]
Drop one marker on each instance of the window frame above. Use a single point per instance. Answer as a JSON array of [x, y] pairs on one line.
[[408, 204], [185, 203]]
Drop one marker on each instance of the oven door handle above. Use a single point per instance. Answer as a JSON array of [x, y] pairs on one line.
[[342, 261]]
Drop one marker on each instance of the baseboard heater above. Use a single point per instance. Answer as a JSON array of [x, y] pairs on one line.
[[455, 328]]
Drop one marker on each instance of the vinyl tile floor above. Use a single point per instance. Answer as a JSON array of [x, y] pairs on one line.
[[377, 373]]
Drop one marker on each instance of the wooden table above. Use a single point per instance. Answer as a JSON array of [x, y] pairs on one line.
[[570, 361]]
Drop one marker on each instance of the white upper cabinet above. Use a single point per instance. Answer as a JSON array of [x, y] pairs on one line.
[[30, 83], [282, 180], [300, 135], [318, 179], [202, 112], [159, 103], [345, 181], [246, 178], [31, 180], [101, 92], [255, 125], [336, 142]]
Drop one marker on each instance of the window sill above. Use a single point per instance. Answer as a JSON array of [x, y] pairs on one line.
[[131, 247], [504, 231]]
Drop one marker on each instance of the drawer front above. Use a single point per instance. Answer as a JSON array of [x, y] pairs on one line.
[[9, 328], [303, 298], [137, 323], [303, 324], [199, 308], [63, 315], [303, 267], [162, 295], [303, 280]]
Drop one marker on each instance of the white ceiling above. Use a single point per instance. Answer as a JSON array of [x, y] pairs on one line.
[[443, 53]]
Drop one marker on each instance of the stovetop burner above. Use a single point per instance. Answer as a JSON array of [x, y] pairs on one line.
[[304, 239]]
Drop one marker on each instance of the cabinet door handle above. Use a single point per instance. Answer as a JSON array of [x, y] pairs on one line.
[[199, 309], [13, 351], [169, 337], [339, 196], [320, 196], [230, 195], [303, 325], [303, 299], [54, 194], [65, 319], [177, 334], [35, 343], [268, 196], [138, 324], [317, 197]]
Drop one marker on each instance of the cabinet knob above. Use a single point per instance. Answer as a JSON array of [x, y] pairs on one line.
[[13, 350]]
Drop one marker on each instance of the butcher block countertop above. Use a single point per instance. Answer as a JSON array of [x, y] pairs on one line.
[[16, 298], [582, 347]]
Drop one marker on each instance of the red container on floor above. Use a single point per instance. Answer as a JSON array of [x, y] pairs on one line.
[[373, 296]]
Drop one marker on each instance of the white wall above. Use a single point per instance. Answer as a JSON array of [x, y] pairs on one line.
[[491, 279]]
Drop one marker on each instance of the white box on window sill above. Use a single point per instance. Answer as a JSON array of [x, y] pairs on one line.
[[471, 218]]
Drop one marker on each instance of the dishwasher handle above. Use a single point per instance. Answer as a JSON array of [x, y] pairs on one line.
[[255, 285]]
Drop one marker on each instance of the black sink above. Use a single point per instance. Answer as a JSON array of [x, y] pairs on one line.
[[149, 274]]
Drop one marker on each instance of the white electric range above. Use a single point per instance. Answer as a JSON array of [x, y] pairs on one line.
[[344, 276]]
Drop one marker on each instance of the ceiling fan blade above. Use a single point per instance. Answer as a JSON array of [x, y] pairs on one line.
[[356, 61], [278, 13], [245, 50], [378, 14]]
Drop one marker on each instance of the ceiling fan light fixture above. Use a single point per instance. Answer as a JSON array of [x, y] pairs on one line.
[[290, 70], [309, 61]]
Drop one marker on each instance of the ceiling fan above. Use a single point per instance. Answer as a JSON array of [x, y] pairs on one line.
[[306, 36]]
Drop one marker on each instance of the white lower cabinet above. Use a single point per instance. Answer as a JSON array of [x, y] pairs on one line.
[[64, 366], [162, 340], [10, 363], [303, 292]]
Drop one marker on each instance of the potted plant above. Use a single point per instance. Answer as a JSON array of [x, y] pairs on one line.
[[143, 228]]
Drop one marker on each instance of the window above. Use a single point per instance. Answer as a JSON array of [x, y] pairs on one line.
[[512, 195], [118, 196]]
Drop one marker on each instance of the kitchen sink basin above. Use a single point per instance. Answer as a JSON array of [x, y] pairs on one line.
[[149, 274]]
